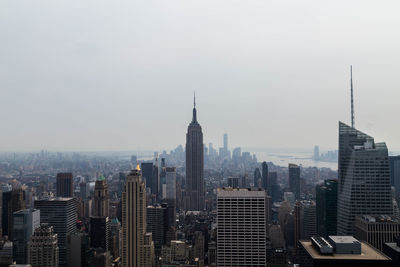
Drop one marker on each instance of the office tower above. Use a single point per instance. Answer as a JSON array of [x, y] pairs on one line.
[[257, 177], [264, 180], [84, 191], [274, 189], [241, 231], [78, 250], [25, 223], [347, 252], [12, 201], [395, 174], [171, 183], [377, 230], [65, 185], [115, 238], [298, 215], [157, 224], [316, 153], [233, 182], [61, 214], [149, 175], [42, 248], [99, 232], [6, 251], [309, 221], [163, 180], [364, 178], [101, 197], [195, 194], [326, 201], [134, 222], [294, 179]]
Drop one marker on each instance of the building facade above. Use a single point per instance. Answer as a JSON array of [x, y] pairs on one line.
[[65, 185], [42, 248], [61, 214], [195, 193], [134, 222], [294, 180], [101, 198], [377, 230], [326, 201], [241, 227], [25, 223], [364, 178]]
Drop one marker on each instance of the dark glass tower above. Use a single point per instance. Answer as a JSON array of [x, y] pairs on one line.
[[294, 180], [364, 178], [264, 181], [326, 196], [194, 165]]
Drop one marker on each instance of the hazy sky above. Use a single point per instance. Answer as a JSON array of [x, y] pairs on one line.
[[120, 75]]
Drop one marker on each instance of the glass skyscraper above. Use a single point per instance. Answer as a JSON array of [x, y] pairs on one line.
[[364, 178]]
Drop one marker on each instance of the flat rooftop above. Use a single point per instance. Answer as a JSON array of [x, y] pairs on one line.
[[339, 239], [367, 253]]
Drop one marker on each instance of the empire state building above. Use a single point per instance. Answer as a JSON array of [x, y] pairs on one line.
[[194, 165]]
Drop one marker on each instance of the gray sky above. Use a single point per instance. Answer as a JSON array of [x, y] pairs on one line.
[[120, 75]]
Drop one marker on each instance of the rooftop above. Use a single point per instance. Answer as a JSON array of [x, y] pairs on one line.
[[343, 239], [367, 253], [379, 218]]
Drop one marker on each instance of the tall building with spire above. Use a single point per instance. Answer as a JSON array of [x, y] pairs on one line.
[[194, 165], [137, 245], [364, 178]]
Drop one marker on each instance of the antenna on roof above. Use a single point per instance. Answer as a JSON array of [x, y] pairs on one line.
[[352, 101]]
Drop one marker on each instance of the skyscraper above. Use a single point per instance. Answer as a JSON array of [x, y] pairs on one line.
[[43, 249], [99, 232], [195, 193], [61, 214], [364, 178], [257, 177], [101, 197], [25, 223], [264, 180], [65, 185], [395, 174], [241, 231], [326, 199], [226, 142], [134, 222], [294, 179], [12, 201]]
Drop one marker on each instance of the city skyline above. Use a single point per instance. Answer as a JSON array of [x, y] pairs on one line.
[[82, 89]]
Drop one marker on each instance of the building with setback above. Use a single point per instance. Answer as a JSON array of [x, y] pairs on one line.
[[195, 194], [43, 249], [241, 227], [61, 213], [364, 178], [101, 197], [136, 243]]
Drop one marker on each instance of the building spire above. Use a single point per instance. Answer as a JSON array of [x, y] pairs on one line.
[[194, 119], [352, 101]]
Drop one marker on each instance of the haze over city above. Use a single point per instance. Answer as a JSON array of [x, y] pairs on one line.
[[106, 75]]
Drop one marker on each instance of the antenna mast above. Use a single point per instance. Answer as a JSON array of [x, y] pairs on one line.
[[352, 101]]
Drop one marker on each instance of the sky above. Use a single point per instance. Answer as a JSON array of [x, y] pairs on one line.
[[99, 75]]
